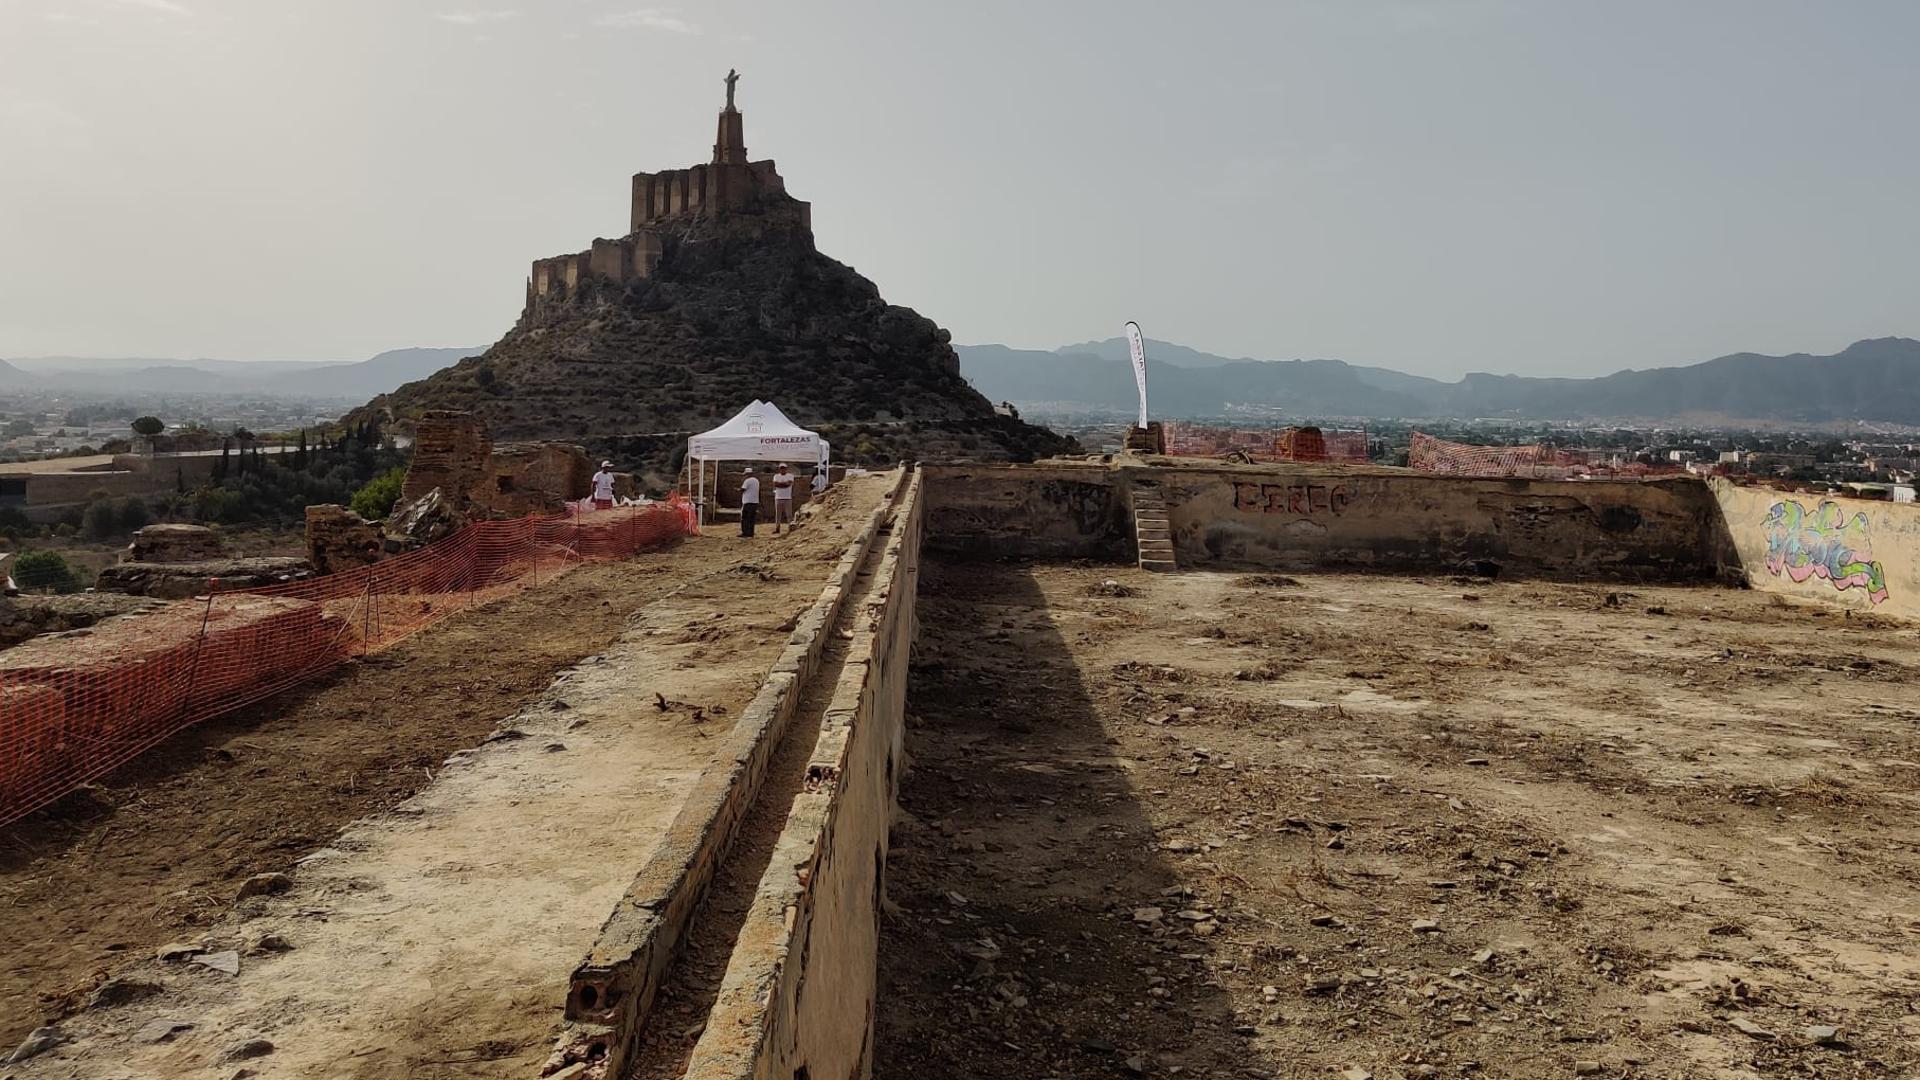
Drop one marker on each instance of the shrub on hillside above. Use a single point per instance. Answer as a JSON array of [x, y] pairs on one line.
[[37, 571], [133, 513], [375, 500], [101, 520]]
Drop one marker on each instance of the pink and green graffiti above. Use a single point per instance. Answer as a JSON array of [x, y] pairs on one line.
[[1825, 543]]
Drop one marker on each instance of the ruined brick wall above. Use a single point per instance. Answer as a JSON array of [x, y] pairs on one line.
[[451, 450], [174, 543], [533, 478], [339, 539]]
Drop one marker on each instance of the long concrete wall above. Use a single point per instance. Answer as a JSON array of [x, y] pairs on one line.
[[1326, 516], [1027, 511], [613, 989], [797, 999], [1305, 517], [1861, 554]]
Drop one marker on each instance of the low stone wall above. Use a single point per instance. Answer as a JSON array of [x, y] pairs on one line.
[[1046, 510], [798, 996], [1304, 517], [614, 987], [1862, 554]]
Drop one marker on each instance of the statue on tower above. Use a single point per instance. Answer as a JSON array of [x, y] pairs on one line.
[[732, 77]]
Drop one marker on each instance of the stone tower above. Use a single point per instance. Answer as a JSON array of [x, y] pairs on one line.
[[728, 184]]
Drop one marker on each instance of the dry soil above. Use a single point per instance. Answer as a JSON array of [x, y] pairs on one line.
[[1217, 825], [91, 887]]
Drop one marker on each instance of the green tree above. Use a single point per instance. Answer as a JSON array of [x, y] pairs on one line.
[[220, 467], [101, 520], [149, 426], [376, 499], [14, 521], [134, 513], [300, 452], [18, 427], [37, 571]]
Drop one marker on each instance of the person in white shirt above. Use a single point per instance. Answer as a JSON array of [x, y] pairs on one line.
[[782, 499], [603, 487], [819, 481], [749, 500]]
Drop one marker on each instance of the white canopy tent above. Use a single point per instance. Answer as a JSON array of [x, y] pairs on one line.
[[759, 432]]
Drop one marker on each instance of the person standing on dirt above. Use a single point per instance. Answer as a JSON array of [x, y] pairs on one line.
[[603, 487], [782, 499], [819, 481], [749, 500]]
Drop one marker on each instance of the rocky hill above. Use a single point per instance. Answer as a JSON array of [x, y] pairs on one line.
[[721, 299]]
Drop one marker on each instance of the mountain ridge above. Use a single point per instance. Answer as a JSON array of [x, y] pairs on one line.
[[1873, 380]]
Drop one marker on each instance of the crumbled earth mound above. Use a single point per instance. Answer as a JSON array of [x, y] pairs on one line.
[[741, 306]]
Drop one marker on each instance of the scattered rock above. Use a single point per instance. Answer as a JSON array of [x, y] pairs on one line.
[[1148, 915], [227, 961], [1425, 926], [1586, 1068], [1747, 1027], [158, 1031], [1180, 845], [555, 747], [264, 885], [178, 951], [38, 1042], [1477, 761], [1822, 1035], [1355, 1074], [121, 990], [246, 1049], [269, 943], [1137, 1064]]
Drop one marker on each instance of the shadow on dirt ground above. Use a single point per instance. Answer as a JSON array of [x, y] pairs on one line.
[[1036, 924]]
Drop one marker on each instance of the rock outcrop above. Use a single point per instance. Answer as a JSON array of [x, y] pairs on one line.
[[731, 302]]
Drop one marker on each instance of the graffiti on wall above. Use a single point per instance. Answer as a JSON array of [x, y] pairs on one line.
[[1291, 498], [1823, 543]]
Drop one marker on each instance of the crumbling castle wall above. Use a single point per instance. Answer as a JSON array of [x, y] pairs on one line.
[[451, 450], [1302, 516]]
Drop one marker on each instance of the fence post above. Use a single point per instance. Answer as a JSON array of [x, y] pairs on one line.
[[366, 616], [199, 646]]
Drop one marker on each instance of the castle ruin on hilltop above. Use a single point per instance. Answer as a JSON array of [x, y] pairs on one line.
[[728, 183]]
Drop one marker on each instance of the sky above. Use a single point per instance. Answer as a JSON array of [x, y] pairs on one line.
[[1527, 186]]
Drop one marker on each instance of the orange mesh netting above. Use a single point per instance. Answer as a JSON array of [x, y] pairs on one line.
[[1345, 446], [1534, 460], [74, 709]]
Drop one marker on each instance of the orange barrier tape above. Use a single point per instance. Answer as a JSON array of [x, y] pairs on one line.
[[74, 709]]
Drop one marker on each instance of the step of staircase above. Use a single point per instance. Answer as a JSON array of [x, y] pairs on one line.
[[1152, 531]]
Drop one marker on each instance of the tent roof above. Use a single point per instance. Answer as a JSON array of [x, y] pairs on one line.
[[759, 432]]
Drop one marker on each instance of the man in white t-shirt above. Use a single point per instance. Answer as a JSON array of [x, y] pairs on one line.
[[603, 487], [782, 499], [819, 481], [749, 500]]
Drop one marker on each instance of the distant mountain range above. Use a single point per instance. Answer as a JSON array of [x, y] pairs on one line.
[[345, 379], [1873, 381]]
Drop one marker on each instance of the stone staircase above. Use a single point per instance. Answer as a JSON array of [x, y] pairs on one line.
[[1152, 532]]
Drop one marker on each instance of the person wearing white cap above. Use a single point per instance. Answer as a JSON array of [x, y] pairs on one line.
[[603, 487], [749, 500]]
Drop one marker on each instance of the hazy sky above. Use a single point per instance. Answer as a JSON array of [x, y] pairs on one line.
[[1504, 185]]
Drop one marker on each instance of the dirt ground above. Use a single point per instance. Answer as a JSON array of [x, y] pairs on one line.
[[1220, 825], [92, 886]]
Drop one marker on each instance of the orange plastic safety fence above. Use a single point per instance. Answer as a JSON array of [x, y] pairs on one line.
[[1339, 445], [1534, 460], [74, 709]]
